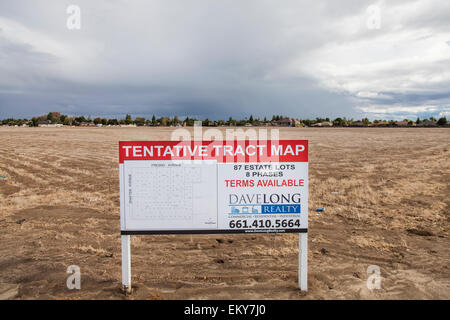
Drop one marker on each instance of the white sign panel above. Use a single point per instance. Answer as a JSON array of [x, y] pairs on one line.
[[263, 196], [213, 187], [161, 195]]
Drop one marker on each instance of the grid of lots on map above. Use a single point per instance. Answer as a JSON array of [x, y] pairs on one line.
[[164, 192]]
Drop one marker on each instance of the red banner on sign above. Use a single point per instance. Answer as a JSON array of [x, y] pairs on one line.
[[221, 151]]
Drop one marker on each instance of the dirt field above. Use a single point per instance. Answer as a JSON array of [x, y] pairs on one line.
[[385, 194]]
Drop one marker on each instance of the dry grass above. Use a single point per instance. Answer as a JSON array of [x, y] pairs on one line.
[[381, 189]]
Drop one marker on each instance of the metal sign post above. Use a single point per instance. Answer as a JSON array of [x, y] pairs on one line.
[[303, 261], [126, 264], [126, 241]]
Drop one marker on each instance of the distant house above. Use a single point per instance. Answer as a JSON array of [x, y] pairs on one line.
[[86, 124], [52, 125], [401, 123], [429, 123], [358, 124], [43, 123], [286, 122], [380, 124], [323, 124], [48, 124]]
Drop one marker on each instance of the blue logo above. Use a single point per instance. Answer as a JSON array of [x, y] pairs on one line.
[[266, 209], [240, 209], [280, 208]]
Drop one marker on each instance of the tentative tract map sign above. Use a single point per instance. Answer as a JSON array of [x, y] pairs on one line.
[[214, 187], [206, 187]]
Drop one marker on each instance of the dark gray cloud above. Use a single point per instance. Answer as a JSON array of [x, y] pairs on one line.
[[217, 59]]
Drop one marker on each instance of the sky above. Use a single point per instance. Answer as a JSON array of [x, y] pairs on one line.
[[222, 58]]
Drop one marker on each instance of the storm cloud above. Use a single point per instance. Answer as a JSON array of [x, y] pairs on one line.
[[218, 59]]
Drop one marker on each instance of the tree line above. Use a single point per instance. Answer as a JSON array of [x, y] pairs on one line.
[[62, 119]]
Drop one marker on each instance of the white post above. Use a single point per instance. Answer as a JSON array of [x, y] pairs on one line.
[[126, 264], [303, 261]]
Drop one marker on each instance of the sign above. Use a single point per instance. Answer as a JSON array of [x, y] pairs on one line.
[[170, 187], [246, 186]]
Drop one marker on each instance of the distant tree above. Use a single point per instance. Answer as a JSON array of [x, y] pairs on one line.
[[164, 121], [98, 120], [277, 117], [190, 121], [128, 119], [442, 121], [418, 121], [318, 120], [113, 122], [140, 121], [250, 120], [79, 120], [63, 118], [54, 117], [34, 121], [338, 122]]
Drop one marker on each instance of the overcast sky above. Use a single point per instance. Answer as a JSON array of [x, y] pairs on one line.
[[221, 58]]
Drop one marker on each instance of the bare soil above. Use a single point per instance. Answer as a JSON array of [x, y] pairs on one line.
[[385, 192]]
